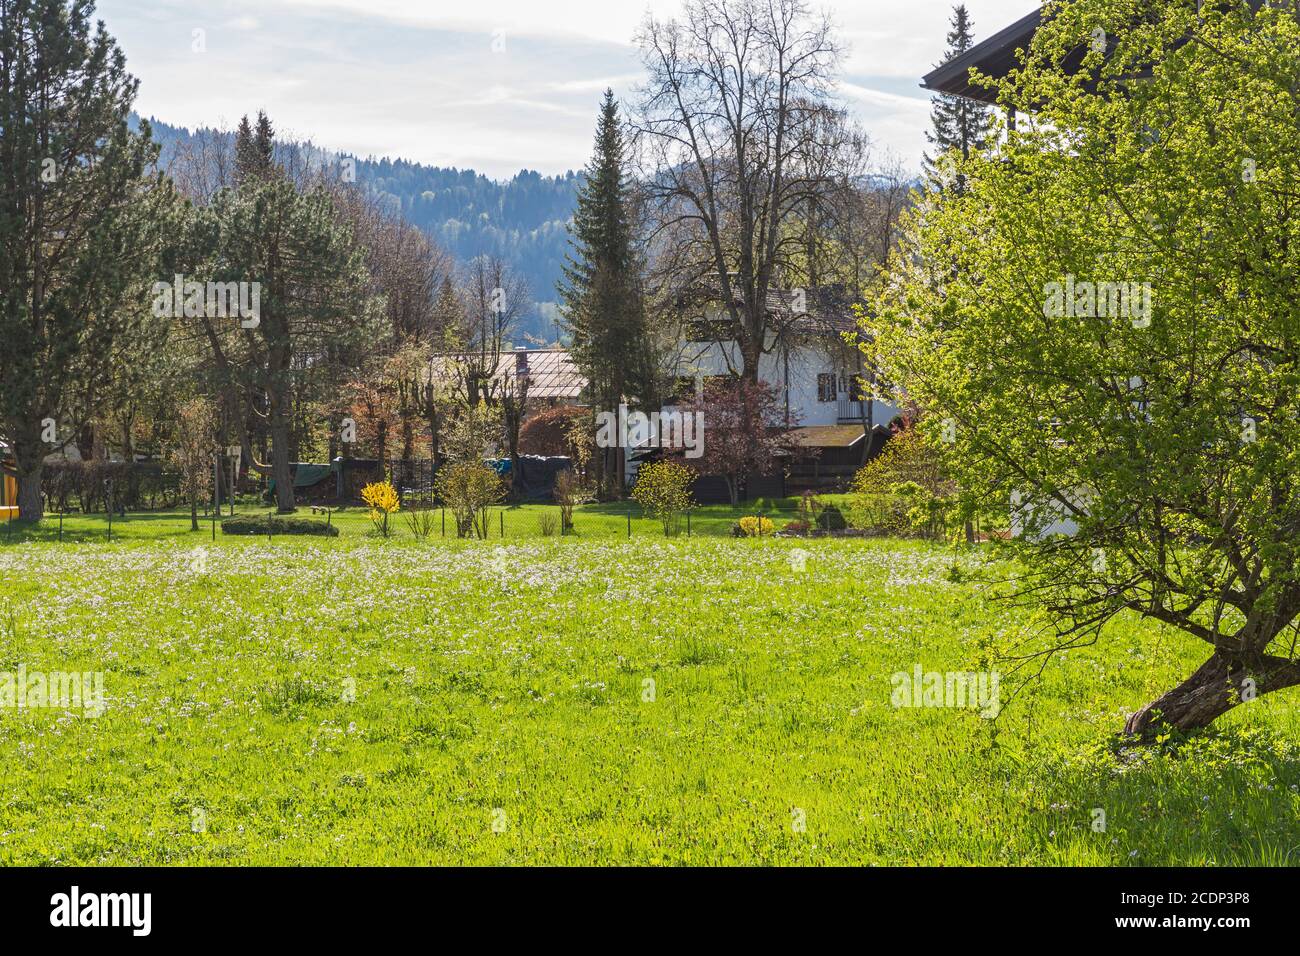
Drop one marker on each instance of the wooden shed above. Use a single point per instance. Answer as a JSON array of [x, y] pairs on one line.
[[8, 485]]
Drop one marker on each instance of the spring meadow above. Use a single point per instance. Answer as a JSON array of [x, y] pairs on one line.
[[745, 434]]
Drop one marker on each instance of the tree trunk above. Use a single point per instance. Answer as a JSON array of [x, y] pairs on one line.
[[280, 413], [604, 473], [30, 506], [194, 514], [1217, 686], [284, 503], [408, 435]]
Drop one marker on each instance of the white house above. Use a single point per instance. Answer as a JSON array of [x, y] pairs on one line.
[[818, 376]]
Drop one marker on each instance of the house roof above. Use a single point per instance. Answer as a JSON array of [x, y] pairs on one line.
[[551, 372], [994, 57], [824, 309], [826, 436]]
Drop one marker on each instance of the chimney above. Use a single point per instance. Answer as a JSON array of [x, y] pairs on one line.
[[521, 362]]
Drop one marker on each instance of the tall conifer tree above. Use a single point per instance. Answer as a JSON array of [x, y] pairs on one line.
[[601, 291], [79, 221], [958, 123]]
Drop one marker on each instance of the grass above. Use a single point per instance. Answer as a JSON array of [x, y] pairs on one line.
[[517, 521], [586, 700]]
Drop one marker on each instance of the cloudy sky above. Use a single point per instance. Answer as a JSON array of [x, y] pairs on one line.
[[492, 85]]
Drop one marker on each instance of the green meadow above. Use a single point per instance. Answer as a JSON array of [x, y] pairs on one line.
[[592, 699]]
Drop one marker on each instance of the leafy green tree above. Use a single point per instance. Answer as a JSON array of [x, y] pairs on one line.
[[80, 222], [1103, 328], [958, 124], [193, 453], [314, 305], [601, 291], [663, 488], [470, 488]]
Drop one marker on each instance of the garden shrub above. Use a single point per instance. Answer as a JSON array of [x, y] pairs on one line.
[[904, 490], [551, 432], [383, 500], [469, 489], [421, 521], [753, 526], [663, 490], [570, 491], [80, 485], [831, 518], [275, 524]]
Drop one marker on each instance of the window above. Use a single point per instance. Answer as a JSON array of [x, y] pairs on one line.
[[709, 330], [827, 388], [711, 382], [858, 388], [683, 390]]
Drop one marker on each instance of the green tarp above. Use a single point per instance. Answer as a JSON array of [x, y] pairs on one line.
[[306, 475]]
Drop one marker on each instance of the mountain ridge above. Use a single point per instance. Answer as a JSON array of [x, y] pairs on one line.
[[521, 220]]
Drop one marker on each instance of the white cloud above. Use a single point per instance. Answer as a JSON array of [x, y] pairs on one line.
[[420, 80]]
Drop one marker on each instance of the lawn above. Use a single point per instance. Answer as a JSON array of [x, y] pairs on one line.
[[586, 700], [513, 522]]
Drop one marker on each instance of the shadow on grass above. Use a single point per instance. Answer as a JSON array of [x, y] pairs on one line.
[[596, 520], [95, 528], [1229, 797]]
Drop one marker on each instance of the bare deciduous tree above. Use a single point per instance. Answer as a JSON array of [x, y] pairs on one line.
[[738, 140], [193, 453], [493, 298]]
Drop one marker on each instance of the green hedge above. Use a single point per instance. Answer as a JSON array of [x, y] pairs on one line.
[[274, 524]]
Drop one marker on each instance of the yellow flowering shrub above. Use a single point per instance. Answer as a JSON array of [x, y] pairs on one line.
[[754, 526], [383, 500]]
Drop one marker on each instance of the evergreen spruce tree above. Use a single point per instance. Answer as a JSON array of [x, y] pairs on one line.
[[601, 292], [958, 123], [264, 141], [244, 155], [254, 149], [447, 314]]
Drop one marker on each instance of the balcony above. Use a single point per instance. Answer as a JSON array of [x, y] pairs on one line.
[[852, 411]]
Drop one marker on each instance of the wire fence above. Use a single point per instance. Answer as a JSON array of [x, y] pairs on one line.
[[617, 520], [412, 477], [416, 520]]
